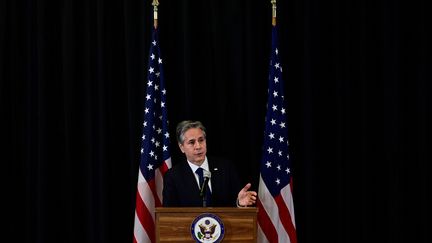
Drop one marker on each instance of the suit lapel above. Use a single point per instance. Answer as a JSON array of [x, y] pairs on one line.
[[215, 176], [192, 188]]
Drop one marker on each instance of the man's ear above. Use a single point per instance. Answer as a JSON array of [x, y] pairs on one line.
[[181, 147]]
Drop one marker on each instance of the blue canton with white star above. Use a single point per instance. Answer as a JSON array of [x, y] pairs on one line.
[[155, 139], [275, 164]]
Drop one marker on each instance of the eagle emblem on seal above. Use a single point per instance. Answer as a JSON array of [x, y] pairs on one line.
[[207, 230]]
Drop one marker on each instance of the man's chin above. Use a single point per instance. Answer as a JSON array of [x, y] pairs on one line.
[[199, 160]]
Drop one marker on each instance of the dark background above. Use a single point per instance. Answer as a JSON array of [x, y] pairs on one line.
[[358, 85]]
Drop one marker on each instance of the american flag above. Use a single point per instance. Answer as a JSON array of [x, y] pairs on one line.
[[155, 152], [276, 209]]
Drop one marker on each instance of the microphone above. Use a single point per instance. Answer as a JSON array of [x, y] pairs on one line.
[[207, 176]]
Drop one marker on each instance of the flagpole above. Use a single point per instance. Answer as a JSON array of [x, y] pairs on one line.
[[273, 2], [155, 4]]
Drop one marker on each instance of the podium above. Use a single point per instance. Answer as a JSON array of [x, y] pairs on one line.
[[173, 224]]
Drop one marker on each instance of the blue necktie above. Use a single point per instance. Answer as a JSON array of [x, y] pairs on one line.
[[200, 173]]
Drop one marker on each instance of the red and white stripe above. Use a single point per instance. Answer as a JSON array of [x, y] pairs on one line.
[[149, 196], [276, 221]]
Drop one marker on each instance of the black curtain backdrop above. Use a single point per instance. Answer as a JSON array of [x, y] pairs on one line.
[[358, 83]]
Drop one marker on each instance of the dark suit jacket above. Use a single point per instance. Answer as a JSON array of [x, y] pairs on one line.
[[181, 189]]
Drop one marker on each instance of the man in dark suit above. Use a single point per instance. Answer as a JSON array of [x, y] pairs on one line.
[[182, 184]]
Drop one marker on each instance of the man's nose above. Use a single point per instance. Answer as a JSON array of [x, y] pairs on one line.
[[197, 145]]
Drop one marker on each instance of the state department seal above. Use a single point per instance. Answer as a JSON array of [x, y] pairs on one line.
[[207, 227]]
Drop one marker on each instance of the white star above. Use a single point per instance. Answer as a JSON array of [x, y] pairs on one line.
[[151, 70], [154, 42], [278, 167], [148, 97], [283, 110], [288, 170], [145, 124], [281, 139], [280, 153], [273, 121], [152, 56], [160, 60], [151, 153], [150, 83], [271, 135], [277, 65], [156, 87], [167, 135], [142, 150], [276, 80], [277, 181], [277, 51], [268, 164], [164, 91], [157, 74], [275, 94], [164, 148], [282, 124], [150, 167], [159, 131], [157, 144], [146, 110], [270, 150], [274, 107], [162, 104]]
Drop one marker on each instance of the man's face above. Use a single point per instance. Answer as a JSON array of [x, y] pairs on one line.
[[194, 146]]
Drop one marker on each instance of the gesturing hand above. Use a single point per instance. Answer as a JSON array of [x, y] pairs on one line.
[[245, 197]]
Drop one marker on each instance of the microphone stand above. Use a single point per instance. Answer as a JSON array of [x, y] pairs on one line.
[[203, 192]]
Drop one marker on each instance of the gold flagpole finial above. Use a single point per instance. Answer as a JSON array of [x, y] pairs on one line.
[[155, 4], [273, 2]]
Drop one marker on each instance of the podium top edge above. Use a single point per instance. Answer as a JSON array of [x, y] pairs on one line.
[[206, 209]]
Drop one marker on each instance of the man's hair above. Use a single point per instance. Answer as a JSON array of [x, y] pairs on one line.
[[183, 126]]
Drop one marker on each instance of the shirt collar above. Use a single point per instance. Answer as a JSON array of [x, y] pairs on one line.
[[204, 165]]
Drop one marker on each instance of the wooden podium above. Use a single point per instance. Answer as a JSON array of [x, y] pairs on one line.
[[173, 224]]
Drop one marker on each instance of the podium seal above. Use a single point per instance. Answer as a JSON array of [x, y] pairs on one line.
[[208, 228]]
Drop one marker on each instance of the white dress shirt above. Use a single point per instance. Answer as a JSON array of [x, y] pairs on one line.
[[205, 167]]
